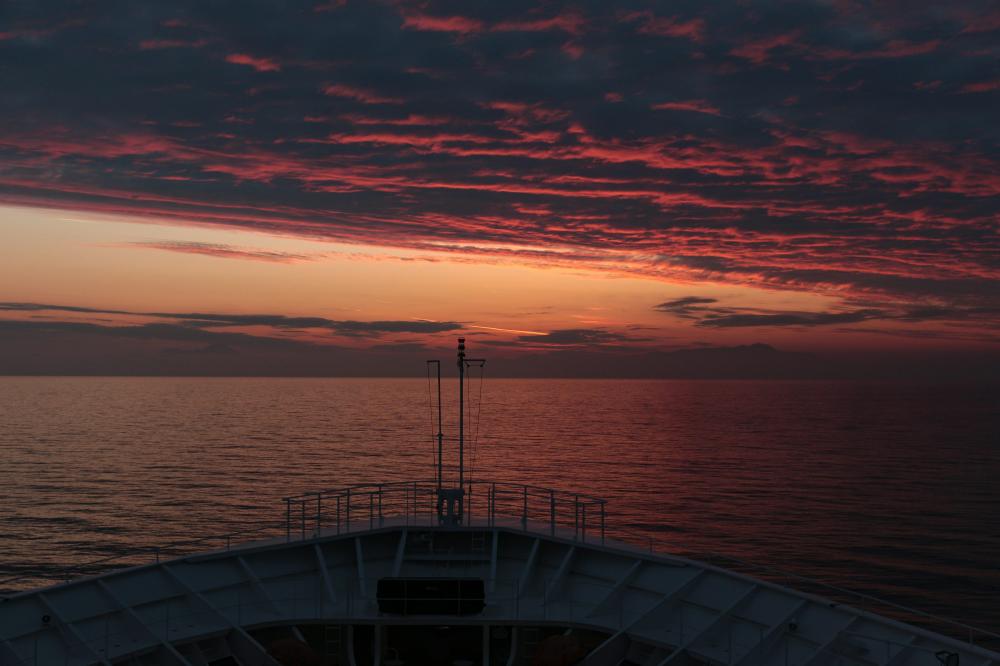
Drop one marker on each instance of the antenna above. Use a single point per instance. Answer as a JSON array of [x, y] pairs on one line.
[[463, 363], [461, 413], [451, 501]]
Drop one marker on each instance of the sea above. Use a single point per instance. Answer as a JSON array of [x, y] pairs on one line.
[[888, 489]]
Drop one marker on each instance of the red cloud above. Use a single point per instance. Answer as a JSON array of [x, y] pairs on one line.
[[758, 51], [982, 86], [692, 29], [696, 105], [460, 24], [570, 23], [260, 64], [363, 95]]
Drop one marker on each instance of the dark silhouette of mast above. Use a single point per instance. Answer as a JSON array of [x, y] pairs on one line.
[[451, 501]]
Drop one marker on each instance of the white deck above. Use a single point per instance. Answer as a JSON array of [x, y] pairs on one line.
[[650, 609]]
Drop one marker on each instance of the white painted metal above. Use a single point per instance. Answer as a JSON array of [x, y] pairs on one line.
[[657, 609]]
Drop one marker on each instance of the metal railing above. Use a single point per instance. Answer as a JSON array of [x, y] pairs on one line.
[[489, 504], [486, 504]]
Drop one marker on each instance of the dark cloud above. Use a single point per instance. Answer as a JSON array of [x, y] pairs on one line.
[[76, 348], [809, 145], [225, 251], [377, 327], [191, 321], [577, 336], [788, 319], [707, 313], [148, 332], [689, 307], [41, 307]]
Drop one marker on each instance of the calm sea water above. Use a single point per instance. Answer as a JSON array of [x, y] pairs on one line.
[[887, 489]]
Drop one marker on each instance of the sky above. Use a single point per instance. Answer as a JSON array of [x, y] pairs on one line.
[[586, 188]]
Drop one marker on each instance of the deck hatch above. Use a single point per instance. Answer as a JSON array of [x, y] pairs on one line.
[[431, 596]]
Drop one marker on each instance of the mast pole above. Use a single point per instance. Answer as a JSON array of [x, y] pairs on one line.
[[461, 414], [440, 434]]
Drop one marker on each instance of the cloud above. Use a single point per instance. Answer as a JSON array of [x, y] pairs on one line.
[[688, 307], [225, 251], [200, 321], [359, 94], [857, 153], [788, 319], [695, 105], [572, 337], [708, 313], [41, 307], [259, 64], [149, 332], [366, 328]]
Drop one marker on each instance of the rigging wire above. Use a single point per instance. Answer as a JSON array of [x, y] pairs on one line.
[[479, 411], [430, 412]]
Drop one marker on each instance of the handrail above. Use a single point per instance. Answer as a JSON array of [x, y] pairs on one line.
[[390, 484], [705, 557], [417, 501], [67, 573]]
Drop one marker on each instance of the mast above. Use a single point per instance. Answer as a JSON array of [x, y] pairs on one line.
[[451, 501], [461, 413]]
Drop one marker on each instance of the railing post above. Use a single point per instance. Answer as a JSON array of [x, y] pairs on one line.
[[524, 513], [380, 519], [319, 513], [347, 524], [303, 503], [338, 514], [371, 509], [583, 530], [552, 512], [288, 519], [576, 517], [414, 502], [602, 522], [493, 509]]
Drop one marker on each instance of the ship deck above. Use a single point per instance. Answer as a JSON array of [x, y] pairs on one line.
[[556, 589]]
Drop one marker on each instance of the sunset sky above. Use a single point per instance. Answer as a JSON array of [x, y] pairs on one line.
[[246, 187]]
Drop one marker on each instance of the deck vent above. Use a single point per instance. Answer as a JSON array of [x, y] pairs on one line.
[[431, 596]]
